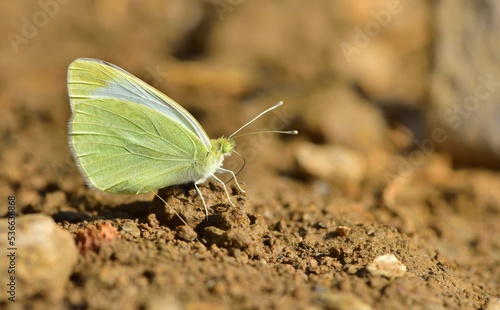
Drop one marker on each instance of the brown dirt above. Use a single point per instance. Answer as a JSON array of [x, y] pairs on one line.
[[293, 240]]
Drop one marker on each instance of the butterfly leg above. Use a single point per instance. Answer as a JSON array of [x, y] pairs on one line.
[[199, 193], [234, 177], [225, 189]]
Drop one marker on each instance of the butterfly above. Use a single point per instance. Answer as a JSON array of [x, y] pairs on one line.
[[129, 138]]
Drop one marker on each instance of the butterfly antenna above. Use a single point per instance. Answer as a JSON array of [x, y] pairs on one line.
[[280, 103], [241, 169], [286, 132], [244, 163]]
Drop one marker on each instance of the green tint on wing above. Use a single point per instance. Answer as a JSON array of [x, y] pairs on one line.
[[96, 79], [125, 147]]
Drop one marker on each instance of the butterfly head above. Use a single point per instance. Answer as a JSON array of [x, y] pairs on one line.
[[223, 146]]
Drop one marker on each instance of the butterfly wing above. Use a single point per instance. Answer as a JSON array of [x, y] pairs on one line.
[[126, 136], [124, 147], [96, 79]]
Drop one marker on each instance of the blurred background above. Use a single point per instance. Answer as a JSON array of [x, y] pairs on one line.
[[378, 89]]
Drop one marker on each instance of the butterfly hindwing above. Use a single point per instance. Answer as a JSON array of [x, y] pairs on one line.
[[125, 147]]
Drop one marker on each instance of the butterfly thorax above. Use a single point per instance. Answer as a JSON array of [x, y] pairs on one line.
[[220, 148]]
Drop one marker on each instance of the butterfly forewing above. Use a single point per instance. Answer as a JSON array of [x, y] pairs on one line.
[[96, 79]]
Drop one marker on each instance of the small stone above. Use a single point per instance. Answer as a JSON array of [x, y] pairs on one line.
[[131, 229], [216, 235], [352, 269], [239, 238], [493, 304], [214, 232], [342, 231], [313, 263], [386, 265], [185, 233], [45, 255]]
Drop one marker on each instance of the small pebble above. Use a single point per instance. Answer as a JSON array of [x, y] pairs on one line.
[[131, 229], [386, 265], [43, 260], [185, 233], [342, 231]]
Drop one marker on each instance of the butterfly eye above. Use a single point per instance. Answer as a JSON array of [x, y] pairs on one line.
[[227, 146]]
